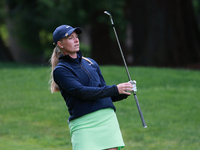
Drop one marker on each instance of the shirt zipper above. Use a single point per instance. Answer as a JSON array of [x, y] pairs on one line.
[[85, 71]]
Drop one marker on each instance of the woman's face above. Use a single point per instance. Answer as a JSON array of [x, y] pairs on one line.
[[70, 44]]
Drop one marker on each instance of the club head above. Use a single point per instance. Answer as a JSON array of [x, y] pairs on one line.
[[106, 12]]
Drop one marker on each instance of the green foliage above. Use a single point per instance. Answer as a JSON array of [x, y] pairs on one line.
[[33, 22], [196, 4], [4, 33], [20, 16], [33, 118], [85, 49]]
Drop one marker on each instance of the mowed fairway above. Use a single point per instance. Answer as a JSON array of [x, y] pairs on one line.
[[31, 118]]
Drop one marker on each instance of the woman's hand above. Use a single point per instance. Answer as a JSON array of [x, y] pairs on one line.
[[123, 88]]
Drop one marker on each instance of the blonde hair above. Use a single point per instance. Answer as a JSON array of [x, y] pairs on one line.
[[87, 60], [54, 62]]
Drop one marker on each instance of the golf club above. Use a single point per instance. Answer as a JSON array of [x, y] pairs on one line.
[[135, 96]]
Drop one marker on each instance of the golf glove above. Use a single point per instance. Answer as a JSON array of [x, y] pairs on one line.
[[133, 82]]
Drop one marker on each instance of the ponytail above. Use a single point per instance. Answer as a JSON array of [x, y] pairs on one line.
[[54, 61], [87, 60]]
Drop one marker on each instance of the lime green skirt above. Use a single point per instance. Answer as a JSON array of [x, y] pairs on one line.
[[96, 131]]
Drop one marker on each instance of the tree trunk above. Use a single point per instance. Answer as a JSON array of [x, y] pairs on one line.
[[18, 52], [5, 53], [24, 42], [165, 33]]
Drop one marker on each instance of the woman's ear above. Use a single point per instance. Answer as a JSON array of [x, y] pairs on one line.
[[59, 44]]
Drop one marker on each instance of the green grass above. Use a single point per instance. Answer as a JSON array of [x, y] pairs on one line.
[[31, 118]]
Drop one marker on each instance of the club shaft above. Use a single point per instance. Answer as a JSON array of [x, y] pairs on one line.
[[129, 77], [139, 110], [135, 96]]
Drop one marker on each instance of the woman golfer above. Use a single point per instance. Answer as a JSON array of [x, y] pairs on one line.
[[93, 123]]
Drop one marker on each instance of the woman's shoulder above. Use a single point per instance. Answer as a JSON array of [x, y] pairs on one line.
[[62, 66], [90, 60]]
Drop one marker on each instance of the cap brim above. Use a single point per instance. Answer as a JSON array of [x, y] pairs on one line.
[[77, 30]]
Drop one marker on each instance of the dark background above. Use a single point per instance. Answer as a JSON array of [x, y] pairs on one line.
[[152, 32]]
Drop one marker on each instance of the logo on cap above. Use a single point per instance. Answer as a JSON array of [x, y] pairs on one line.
[[66, 34]]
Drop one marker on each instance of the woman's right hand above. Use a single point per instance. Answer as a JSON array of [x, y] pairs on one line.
[[123, 88]]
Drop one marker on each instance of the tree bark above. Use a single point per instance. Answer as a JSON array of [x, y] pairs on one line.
[[23, 38], [165, 33], [18, 52], [5, 53]]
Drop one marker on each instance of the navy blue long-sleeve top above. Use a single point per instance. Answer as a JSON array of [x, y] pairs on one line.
[[83, 87]]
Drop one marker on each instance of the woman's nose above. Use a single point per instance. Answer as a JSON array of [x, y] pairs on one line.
[[76, 40]]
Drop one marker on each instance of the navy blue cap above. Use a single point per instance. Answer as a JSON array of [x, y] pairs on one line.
[[64, 31]]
